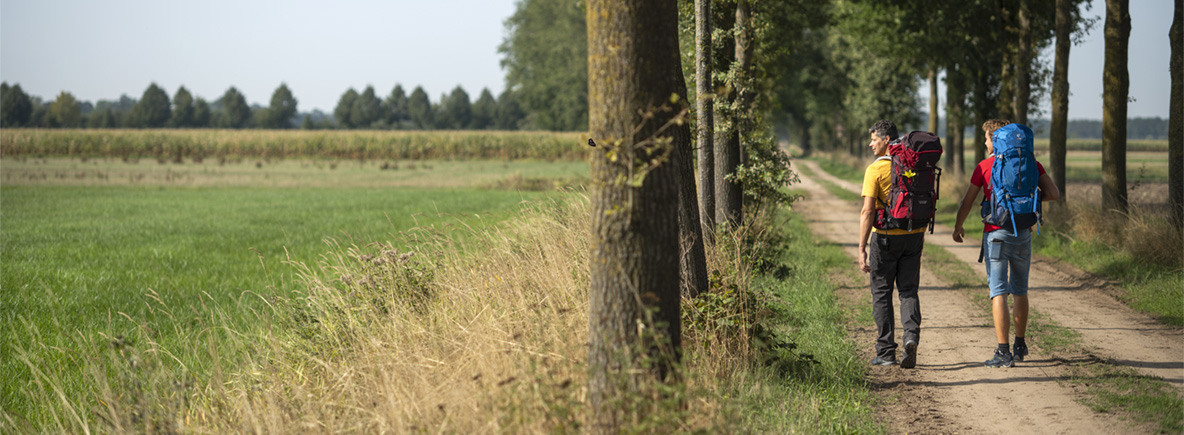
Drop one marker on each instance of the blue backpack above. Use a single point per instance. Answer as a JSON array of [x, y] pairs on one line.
[[1015, 200]]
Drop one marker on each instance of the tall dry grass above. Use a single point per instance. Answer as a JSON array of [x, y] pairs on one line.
[[475, 334]]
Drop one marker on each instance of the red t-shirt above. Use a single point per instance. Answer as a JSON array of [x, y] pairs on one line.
[[981, 177]]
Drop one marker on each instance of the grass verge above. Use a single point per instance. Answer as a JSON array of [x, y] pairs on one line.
[[817, 384], [834, 189]]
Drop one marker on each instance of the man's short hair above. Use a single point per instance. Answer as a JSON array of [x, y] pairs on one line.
[[994, 124], [883, 128]]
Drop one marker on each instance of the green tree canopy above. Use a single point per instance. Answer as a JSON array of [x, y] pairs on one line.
[[235, 111], [282, 109], [153, 110], [102, 119], [545, 57], [15, 107], [201, 113], [509, 113], [64, 112], [345, 107], [456, 111], [395, 108], [484, 111], [367, 110], [419, 108], [182, 109]]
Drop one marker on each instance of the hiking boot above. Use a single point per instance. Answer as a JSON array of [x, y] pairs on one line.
[[910, 355], [1021, 351], [877, 361], [1001, 359]]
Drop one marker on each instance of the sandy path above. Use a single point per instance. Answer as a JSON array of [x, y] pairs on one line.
[[951, 391], [1078, 301]]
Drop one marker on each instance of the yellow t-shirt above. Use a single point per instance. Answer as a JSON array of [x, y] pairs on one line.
[[877, 180]]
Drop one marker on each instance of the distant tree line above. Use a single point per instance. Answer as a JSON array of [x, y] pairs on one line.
[[1136, 128], [155, 109]]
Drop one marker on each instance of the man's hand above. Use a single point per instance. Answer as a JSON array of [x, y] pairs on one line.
[[866, 268], [959, 233]]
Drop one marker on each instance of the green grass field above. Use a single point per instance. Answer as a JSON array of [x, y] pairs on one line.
[[87, 259]]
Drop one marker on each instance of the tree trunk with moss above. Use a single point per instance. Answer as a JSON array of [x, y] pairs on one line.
[[633, 70], [1058, 137], [704, 92], [1023, 64], [728, 197], [1115, 90], [1176, 118]]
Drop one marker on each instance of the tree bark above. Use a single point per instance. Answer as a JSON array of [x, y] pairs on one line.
[[804, 137], [729, 199], [1176, 118], [704, 92], [633, 68], [951, 145], [1023, 64], [981, 113], [1058, 136], [1115, 89], [933, 100], [1006, 99]]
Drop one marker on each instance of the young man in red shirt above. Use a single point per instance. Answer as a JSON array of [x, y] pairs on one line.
[[1004, 252]]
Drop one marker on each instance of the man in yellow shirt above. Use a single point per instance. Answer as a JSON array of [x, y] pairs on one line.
[[894, 260]]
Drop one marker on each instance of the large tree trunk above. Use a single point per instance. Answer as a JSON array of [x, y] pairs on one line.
[[633, 68], [1006, 99], [1115, 89], [704, 92], [981, 114], [729, 199], [1060, 96], [933, 100], [1176, 119], [953, 97], [1023, 64], [804, 137], [960, 141]]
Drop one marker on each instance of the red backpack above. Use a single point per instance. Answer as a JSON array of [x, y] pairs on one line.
[[912, 199]]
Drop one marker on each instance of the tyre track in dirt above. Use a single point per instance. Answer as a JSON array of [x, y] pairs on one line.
[[950, 391]]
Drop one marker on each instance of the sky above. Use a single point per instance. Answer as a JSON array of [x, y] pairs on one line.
[[101, 49]]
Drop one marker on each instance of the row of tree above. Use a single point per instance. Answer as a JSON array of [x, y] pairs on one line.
[[826, 70], [454, 111], [155, 109]]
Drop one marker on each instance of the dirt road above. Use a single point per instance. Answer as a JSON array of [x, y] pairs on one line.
[[951, 391]]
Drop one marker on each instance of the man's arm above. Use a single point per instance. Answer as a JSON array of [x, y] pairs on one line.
[[964, 211], [1048, 189], [865, 230]]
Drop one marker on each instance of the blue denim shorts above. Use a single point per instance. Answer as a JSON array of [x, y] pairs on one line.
[[1008, 258]]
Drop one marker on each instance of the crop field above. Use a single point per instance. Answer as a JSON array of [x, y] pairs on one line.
[[1159, 145], [96, 249], [222, 145]]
